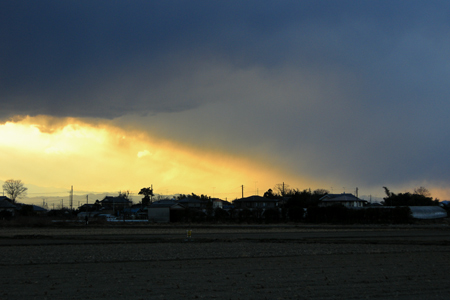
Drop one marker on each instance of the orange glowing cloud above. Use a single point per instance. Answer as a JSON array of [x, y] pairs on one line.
[[99, 157]]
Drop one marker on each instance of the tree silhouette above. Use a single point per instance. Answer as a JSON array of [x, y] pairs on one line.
[[422, 191], [124, 194], [269, 194], [420, 197], [148, 194], [14, 189]]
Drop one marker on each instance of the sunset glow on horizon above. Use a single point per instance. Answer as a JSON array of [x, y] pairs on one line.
[[48, 151]]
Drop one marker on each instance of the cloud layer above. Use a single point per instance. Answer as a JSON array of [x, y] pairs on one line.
[[349, 93]]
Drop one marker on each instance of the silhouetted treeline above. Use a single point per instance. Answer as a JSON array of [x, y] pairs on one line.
[[420, 197]]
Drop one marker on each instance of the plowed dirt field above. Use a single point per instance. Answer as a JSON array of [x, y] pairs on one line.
[[226, 262]]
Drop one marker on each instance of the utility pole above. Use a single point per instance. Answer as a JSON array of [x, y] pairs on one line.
[[71, 197], [151, 194], [87, 199], [242, 186]]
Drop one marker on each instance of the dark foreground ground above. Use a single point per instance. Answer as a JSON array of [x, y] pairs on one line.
[[283, 262]]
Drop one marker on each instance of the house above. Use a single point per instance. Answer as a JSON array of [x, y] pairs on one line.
[[40, 211], [255, 202], [164, 201], [346, 199], [88, 207], [6, 206], [133, 211], [190, 202], [217, 203], [29, 209], [115, 203]]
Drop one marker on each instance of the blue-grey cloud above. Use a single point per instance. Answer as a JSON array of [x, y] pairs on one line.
[[336, 89]]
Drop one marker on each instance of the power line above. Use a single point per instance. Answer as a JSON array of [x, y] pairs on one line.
[[45, 193]]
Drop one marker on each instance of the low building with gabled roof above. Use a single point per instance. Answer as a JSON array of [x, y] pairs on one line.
[[255, 202], [346, 199], [7, 206], [116, 202], [191, 202], [164, 212]]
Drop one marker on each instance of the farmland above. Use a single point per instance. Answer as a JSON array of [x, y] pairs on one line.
[[226, 262]]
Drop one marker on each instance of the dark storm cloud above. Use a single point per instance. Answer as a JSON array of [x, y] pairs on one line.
[[61, 57], [358, 87]]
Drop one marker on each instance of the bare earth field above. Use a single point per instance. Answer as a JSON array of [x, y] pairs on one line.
[[226, 262]]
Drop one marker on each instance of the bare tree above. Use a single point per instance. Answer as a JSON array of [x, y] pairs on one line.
[[125, 194], [14, 189], [321, 192], [282, 189], [422, 191]]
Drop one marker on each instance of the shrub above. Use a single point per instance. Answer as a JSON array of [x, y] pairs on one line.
[[342, 214], [272, 215]]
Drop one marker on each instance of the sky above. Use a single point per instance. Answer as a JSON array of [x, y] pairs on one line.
[[210, 96]]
